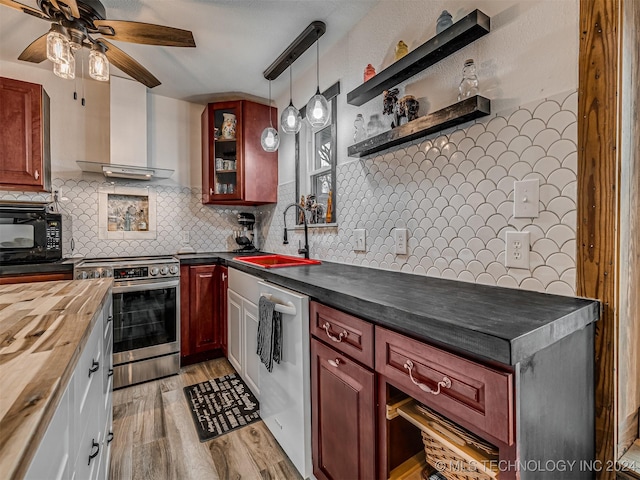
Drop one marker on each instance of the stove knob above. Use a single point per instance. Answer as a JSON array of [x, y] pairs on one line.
[[81, 275], [153, 271], [164, 270], [173, 269], [105, 273], [108, 273], [96, 274]]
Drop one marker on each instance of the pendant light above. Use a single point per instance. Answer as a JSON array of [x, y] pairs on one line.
[[318, 107], [291, 120], [269, 138]]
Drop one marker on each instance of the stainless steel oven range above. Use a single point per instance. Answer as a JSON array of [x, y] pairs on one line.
[[146, 315]]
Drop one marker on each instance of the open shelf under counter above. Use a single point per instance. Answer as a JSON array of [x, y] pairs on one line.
[[463, 32], [451, 116]]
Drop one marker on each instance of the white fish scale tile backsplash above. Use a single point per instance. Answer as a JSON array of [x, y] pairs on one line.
[[454, 193], [179, 208]]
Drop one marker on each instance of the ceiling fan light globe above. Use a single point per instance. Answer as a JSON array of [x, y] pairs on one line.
[[66, 70], [269, 139], [291, 120], [58, 49], [318, 111], [98, 66]]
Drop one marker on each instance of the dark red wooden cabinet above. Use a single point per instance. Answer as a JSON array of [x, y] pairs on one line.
[[24, 136], [202, 312], [237, 171], [343, 416]]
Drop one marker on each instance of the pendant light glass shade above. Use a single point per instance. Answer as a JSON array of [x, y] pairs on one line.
[[98, 65], [318, 107], [269, 139], [58, 50], [318, 110], [290, 120], [66, 70]]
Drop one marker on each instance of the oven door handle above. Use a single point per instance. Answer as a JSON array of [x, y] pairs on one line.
[[143, 287]]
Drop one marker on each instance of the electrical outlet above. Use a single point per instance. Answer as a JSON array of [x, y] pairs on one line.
[[360, 240], [400, 241], [517, 250], [526, 199], [185, 236]]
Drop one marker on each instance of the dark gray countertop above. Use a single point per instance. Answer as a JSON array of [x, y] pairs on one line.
[[500, 324], [61, 266]]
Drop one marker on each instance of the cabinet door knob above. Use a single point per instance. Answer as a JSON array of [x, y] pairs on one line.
[[94, 367], [444, 383], [36, 174], [334, 363], [110, 437], [224, 277], [337, 339], [210, 191], [93, 455], [109, 318], [110, 374]]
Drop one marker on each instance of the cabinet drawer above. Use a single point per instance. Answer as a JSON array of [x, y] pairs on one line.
[[469, 392], [343, 332]]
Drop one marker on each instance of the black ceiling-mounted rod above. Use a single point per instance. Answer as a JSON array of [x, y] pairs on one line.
[[300, 45]]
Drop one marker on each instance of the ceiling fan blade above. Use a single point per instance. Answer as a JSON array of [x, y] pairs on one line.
[[145, 33], [25, 8], [128, 65], [73, 6], [36, 52]]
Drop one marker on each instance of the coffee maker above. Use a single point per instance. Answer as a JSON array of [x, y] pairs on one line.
[[245, 237]]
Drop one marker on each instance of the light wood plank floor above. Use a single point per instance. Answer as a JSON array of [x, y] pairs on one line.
[[155, 438]]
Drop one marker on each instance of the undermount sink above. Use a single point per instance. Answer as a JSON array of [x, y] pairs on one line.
[[277, 261]]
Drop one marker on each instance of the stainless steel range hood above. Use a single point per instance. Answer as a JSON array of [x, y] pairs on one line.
[[130, 172], [128, 135]]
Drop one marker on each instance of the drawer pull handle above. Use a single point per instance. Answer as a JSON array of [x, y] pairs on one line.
[[334, 363], [109, 318], [110, 374], [109, 438], [444, 383], [95, 366], [93, 455], [337, 339]]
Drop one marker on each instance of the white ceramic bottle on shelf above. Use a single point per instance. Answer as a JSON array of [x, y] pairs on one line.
[[469, 85]]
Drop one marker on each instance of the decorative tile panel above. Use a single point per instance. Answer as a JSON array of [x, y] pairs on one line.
[[454, 193]]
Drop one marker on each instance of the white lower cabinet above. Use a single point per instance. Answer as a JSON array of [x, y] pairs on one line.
[[75, 445], [242, 317]]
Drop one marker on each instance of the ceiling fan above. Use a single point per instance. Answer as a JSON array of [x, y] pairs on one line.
[[76, 22]]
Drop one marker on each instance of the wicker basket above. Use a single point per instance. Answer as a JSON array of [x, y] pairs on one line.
[[456, 467]]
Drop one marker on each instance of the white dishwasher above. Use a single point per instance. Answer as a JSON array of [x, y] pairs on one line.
[[285, 395]]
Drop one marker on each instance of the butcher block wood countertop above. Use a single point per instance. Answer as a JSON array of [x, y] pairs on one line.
[[43, 329]]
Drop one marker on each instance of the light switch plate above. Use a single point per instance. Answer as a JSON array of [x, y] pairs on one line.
[[517, 250], [400, 241], [185, 236], [526, 198], [359, 240]]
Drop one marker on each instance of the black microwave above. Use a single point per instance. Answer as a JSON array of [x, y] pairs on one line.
[[29, 234]]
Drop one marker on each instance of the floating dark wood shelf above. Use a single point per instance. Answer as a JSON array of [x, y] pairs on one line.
[[460, 34], [456, 114]]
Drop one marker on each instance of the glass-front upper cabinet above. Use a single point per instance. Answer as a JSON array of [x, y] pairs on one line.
[[235, 168]]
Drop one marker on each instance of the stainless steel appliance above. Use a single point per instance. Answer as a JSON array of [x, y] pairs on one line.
[[29, 233], [146, 315]]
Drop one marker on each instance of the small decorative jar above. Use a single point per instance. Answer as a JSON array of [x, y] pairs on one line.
[[444, 21], [359, 134], [375, 126], [228, 126], [401, 50], [369, 72]]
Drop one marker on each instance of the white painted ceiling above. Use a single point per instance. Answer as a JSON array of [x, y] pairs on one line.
[[236, 40]]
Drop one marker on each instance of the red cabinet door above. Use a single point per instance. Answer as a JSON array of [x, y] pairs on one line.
[[205, 328], [343, 418], [23, 136]]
